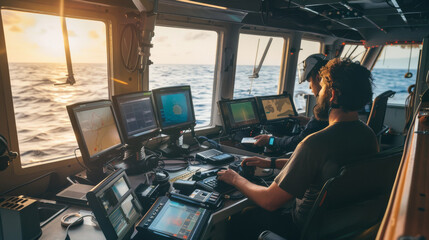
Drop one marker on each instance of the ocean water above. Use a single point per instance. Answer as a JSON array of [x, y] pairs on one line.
[[44, 129]]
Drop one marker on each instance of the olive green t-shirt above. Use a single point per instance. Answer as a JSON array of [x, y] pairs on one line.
[[319, 157]]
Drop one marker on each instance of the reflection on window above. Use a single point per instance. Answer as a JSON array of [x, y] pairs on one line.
[[35, 51], [248, 58], [391, 67], [307, 48], [186, 57], [353, 52]]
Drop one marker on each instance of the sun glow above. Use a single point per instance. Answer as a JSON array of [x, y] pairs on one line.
[[34, 37]]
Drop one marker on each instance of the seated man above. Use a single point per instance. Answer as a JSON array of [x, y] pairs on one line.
[[310, 72], [346, 88]]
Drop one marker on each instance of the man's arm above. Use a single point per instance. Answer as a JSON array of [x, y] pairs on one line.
[[270, 198], [289, 143], [263, 162]]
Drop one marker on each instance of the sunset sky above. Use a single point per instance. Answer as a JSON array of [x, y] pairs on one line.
[[34, 37]]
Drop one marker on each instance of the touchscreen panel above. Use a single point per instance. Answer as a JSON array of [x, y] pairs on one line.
[[177, 219]]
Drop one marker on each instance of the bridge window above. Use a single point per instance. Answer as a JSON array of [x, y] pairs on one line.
[[308, 47], [186, 57], [250, 51], [391, 67], [36, 57], [353, 52]]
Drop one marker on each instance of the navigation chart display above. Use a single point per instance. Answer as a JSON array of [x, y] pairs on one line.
[[278, 108], [99, 129]]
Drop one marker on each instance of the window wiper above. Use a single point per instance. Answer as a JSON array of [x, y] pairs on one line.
[[256, 70], [70, 76]]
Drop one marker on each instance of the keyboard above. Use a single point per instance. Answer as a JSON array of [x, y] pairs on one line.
[[211, 184], [209, 153], [214, 156]]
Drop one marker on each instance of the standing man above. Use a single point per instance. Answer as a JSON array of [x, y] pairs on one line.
[[345, 88], [308, 72]]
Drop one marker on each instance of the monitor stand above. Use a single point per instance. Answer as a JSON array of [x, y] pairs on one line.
[[134, 160], [175, 147]]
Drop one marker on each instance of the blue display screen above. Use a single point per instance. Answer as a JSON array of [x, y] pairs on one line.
[[175, 109]]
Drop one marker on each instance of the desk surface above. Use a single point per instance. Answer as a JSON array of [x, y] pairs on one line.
[[53, 230]]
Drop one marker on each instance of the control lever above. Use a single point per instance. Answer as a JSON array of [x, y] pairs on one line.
[[203, 175], [244, 170]]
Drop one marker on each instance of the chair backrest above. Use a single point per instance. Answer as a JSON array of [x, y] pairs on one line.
[[378, 111], [355, 199]]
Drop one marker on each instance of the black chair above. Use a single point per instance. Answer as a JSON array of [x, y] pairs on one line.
[[353, 202], [378, 112]]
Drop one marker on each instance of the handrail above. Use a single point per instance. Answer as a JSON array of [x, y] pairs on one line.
[[408, 211]]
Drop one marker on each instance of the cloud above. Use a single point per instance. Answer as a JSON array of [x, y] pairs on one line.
[[197, 36], [72, 33], [93, 34], [10, 18], [161, 39], [17, 20], [15, 28]]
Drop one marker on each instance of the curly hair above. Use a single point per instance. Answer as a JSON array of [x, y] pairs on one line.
[[351, 82]]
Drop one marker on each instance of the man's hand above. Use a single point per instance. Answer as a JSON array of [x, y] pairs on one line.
[[257, 162], [302, 120], [262, 140], [229, 176]]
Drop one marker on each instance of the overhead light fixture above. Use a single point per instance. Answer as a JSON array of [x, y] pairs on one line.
[[203, 4]]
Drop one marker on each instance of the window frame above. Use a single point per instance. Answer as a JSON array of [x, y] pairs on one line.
[[381, 50], [5, 82], [267, 33], [220, 30]]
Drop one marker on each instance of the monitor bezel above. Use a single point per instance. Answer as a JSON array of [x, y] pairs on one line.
[[101, 213], [105, 155], [173, 89], [261, 110], [223, 106], [142, 136]]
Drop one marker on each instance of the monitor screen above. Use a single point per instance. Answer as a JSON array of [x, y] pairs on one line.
[[276, 107], [239, 113], [96, 130], [174, 107], [136, 116], [177, 219]]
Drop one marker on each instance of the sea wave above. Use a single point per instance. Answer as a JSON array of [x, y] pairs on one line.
[[44, 129]]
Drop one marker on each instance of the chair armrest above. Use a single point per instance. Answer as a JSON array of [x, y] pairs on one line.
[[268, 235]]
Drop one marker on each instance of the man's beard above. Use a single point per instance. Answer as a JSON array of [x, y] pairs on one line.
[[321, 109]]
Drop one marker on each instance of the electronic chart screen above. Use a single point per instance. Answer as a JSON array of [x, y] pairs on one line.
[[136, 115], [278, 107], [98, 129], [174, 106], [177, 219]]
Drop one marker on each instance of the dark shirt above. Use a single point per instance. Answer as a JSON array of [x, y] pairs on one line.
[[289, 143], [319, 157]]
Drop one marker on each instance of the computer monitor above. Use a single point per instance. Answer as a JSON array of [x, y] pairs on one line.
[[276, 108], [239, 114], [95, 127], [175, 112], [174, 108], [136, 117]]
